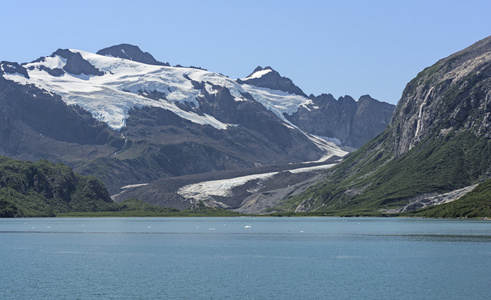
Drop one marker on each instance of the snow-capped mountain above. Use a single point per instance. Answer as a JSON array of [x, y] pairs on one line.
[[114, 86], [127, 118]]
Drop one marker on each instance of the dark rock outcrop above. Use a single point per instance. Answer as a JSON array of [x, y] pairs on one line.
[[253, 116], [77, 65], [53, 72], [7, 67], [131, 52]]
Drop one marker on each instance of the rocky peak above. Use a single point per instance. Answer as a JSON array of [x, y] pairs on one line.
[[131, 52], [453, 94], [347, 100], [374, 106], [352, 122], [366, 98], [261, 70], [269, 78]]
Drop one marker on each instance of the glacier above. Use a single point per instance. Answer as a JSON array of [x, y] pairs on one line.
[[205, 190]]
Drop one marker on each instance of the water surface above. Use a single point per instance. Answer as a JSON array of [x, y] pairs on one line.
[[244, 258]]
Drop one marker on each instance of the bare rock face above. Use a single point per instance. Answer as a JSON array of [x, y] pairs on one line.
[[352, 122], [370, 119], [453, 94]]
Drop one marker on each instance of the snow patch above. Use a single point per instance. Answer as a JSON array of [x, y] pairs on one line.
[[258, 74], [223, 188], [310, 169]]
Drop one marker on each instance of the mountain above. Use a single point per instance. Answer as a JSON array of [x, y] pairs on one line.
[[436, 148], [127, 118], [44, 189]]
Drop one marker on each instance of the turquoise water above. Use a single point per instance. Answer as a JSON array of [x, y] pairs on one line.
[[244, 258]]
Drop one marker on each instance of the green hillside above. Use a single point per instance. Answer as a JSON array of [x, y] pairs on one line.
[[43, 189], [46, 189], [371, 183], [439, 140]]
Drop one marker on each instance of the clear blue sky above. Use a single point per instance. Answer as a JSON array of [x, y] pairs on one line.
[[338, 47]]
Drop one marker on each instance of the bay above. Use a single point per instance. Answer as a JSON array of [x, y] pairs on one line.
[[244, 258]]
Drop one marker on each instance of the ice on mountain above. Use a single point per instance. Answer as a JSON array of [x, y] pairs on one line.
[[110, 97]]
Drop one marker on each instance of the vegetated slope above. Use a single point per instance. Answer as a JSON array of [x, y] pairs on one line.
[[44, 189], [438, 141]]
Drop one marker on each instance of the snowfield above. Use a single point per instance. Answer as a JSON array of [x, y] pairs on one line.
[[110, 97]]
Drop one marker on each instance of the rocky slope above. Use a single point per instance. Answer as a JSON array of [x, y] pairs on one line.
[[438, 141], [252, 191]]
